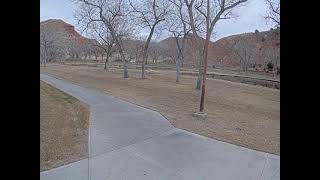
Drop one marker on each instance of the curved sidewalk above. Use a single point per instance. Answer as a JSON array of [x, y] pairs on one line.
[[127, 141]]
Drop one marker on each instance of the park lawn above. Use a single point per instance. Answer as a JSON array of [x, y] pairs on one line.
[[64, 123], [241, 114]]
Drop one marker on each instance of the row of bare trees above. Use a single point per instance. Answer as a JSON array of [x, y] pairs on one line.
[[180, 18], [107, 22], [52, 45], [56, 46], [112, 16], [111, 22]]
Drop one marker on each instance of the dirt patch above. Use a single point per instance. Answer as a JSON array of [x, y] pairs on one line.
[[64, 125], [241, 114]]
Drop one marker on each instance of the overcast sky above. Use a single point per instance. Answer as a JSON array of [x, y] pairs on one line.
[[250, 17]]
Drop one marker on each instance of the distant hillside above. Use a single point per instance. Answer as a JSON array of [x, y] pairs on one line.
[[65, 28], [191, 55], [264, 45]]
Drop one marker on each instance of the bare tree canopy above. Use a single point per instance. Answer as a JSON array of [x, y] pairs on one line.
[[103, 43], [273, 13], [203, 16], [178, 26], [52, 45], [211, 11], [113, 15], [244, 51], [148, 14]]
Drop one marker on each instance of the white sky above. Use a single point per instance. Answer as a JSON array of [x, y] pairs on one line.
[[250, 17]]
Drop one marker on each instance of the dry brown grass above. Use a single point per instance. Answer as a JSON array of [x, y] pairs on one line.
[[63, 128], [241, 114]]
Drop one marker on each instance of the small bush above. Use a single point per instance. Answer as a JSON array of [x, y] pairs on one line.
[[270, 66]]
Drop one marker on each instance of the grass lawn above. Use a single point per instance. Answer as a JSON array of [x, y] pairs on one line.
[[241, 114], [64, 125]]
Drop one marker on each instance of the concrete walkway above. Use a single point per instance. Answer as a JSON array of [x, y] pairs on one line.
[[127, 141]]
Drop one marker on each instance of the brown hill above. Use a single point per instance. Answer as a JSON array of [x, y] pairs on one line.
[[264, 46], [65, 28]]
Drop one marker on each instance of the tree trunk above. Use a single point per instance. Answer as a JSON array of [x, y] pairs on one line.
[[205, 60], [144, 59], [143, 76], [45, 59], [199, 79], [125, 68], [123, 58], [178, 70], [145, 51], [136, 57], [105, 63], [274, 69], [45, 62]]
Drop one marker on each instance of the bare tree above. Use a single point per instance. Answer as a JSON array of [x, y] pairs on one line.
[[155, 52], [178, 26], [213, 11], [148, 14], [104, 41], [112, 14], [169, 52], [207, 13], [107, 46], [244, 51], [134, 47], [273, 13], [138, 52], [95, 49], [51, 45], [85, 50], [196, 22], [73, 47], [272, 56]]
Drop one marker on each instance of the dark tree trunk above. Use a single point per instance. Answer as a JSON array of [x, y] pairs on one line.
[[107, 59], [199, 79], [178, 70], [145, 51], [205, 63], [105, 63]]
